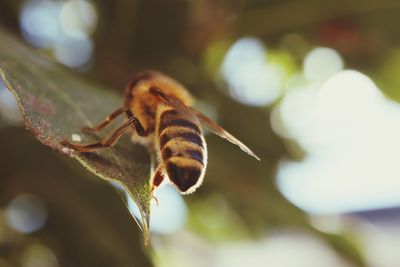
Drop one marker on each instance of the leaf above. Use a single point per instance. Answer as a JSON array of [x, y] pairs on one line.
[[56, 104]]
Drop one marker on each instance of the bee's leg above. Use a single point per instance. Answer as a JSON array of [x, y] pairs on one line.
[[109, 141], [138, 126], [106, 121], [157, 178]]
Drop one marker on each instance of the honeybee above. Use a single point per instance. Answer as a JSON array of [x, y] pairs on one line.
[[160, 116]]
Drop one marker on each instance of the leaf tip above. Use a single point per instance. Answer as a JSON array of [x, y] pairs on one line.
[[146, 228]]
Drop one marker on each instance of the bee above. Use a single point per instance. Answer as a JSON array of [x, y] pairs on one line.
[[160, 116]]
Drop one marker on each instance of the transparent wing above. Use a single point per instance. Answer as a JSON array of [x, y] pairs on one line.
[[218, 130], [175, 103]]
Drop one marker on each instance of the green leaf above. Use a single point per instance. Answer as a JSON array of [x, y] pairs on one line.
[[56, 104]]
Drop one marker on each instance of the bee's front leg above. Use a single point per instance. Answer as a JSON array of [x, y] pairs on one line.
[[109, 141], [106, 121]]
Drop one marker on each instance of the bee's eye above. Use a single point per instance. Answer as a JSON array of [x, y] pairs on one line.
[[157, 92]]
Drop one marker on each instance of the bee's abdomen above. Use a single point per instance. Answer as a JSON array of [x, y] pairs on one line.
[[172, 118], [182, 148], [184, 173], [179, 137]]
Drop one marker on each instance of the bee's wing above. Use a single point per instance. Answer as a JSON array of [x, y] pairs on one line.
[[174, 102], [218, 130]]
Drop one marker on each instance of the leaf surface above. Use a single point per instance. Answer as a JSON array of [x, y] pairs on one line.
[[57, 104]]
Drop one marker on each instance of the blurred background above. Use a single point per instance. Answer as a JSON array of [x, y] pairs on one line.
[[311, 86]]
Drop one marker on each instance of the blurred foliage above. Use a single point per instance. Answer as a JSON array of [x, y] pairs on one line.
[[188, 40]]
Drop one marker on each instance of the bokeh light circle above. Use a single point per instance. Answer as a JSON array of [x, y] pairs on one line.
[[26, 213], [321, 63], [78, 18], [251, 79]]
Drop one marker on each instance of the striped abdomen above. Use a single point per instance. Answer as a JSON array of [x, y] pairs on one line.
[[183, 150]]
